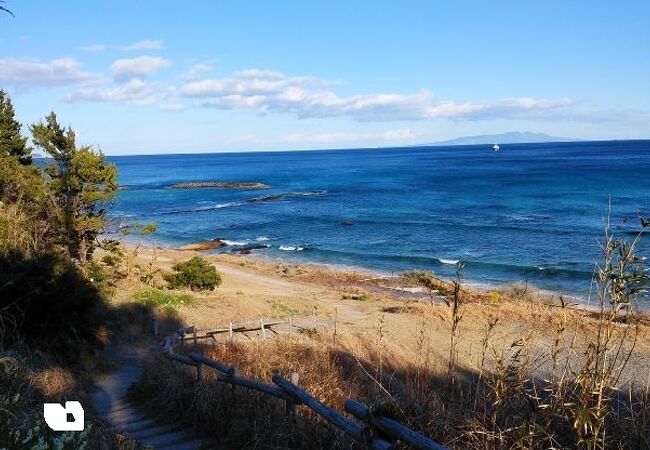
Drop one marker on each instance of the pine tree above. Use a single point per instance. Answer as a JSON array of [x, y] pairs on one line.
[[82, 184], [12, 143]]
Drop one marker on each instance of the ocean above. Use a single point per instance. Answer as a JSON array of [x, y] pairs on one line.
[[531, 212]]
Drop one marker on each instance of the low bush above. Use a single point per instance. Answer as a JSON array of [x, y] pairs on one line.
[[47, 303], [360, 297], [169, 302], [196, 274]]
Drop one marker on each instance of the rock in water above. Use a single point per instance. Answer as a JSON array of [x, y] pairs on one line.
[[247, 249], [207, 245], [220, 184]]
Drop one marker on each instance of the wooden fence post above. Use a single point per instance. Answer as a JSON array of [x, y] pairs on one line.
[[194, 333], [290, 407], [337, 419], [313, 317], [262, 328], [230, 332], [154, 325], [336, 319], [290, 325], [391, 427]]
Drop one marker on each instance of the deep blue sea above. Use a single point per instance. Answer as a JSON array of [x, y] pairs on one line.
[[531, 212]]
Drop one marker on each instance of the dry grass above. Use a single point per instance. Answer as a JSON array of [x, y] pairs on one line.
[[499, 401], [520, 358], [30, 379]]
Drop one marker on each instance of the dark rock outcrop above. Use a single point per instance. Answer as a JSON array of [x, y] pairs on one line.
[[242, 185], [207, 245], [247, 249]]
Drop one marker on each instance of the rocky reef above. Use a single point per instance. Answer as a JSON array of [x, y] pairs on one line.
[[206, 245], [220, 185]]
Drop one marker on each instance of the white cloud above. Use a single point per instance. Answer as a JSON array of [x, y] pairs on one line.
[[397, 135], [135, 92], [140, 67], [24, 74], [172, 107], [195, 71], [269, 91], [404, 134], [147, 44]]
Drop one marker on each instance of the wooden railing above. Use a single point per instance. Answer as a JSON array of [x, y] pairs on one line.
[[374, 431], [261, 325]]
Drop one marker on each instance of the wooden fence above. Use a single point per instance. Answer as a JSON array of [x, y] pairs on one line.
[[251, 326], [372, 429]]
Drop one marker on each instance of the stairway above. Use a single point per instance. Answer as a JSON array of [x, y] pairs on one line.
[[109, 398]]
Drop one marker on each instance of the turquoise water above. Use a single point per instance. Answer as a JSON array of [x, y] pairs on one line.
[[531, 212]]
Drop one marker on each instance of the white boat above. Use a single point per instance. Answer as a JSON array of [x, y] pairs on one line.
[[495, 148]]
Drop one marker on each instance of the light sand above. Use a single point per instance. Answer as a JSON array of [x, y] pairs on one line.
[[409, 323]]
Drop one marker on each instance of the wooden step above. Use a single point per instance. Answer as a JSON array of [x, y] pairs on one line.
[[109, 400], [174, 437], [153, 431], [196, 444]]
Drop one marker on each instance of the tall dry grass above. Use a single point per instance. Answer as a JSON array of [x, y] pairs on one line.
[[576, 388]]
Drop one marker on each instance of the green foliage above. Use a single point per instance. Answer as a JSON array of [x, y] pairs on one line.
[[46, 302], [25, 208], [12, 143], [20, 182], [100, 278], [24, 427], [149, 228], [360, 297], [110, 260], [81, 184], [423, 278], [167, 301], [197, 274], [141, 229]]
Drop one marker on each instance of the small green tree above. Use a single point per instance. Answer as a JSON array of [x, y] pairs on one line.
[[82, 184], [143, 231], [12, 143], [197, 274]]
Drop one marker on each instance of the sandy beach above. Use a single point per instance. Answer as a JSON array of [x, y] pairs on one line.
[[363, 304]]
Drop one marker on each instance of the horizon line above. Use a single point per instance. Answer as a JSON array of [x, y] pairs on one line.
[[409, 146]]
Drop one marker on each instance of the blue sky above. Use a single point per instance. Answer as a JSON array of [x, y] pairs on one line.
[[163, 77]]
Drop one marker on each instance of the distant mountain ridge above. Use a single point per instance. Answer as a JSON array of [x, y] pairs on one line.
[[513, 137]]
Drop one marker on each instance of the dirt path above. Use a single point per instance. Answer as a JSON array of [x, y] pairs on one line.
[[110, 401]]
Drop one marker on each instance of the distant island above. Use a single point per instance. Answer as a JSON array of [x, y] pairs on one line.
[[513, 137]]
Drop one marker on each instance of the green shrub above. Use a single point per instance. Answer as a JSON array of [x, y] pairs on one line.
[[360, 297], [110, 260], [167, 301], [47, 303], [197, 274], [25, 428], [100, 278]]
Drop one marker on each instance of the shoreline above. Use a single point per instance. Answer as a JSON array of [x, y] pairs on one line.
[[482, 288], [475, 288], [232, 246]]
